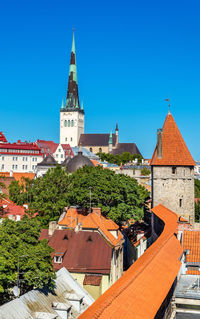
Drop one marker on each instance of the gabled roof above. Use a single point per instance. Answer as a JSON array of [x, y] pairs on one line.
[[94, 221], [96, 139], [126, 147], [2, 138], [175, 151], [82, 252], [140, 292]]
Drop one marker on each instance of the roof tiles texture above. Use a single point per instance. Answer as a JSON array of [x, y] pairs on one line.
[[82, 252], [96, 139], [140, 292], [175, 151], [191, 242], [93, 220]]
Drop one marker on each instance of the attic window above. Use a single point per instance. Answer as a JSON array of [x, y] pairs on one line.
[[57, 259], [89, 239], [65, 237]]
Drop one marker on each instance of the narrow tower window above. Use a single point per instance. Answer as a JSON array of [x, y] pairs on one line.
[[72, 123], [180, 202], [69, 123], [100, 150], [173, 170], [65, 123]]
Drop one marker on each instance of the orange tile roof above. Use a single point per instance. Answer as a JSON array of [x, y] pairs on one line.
[[139, 293], [18, 176], [175, 151], [93, 220], [191, 241]]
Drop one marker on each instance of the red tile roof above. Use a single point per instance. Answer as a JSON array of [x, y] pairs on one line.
[[92, 280], [2, 138], [175, 151], [83, 252], [11, 209], [191, 241], [139, 293], [17, 176]]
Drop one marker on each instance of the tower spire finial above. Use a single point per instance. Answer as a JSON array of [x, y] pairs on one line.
[[169, 105]]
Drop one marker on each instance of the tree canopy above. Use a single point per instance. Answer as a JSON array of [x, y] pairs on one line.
[[23, 257], [119, 196], [123, 158]]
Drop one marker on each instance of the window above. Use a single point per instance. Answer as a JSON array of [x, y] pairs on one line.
[[100, 150], [59, 150], [90, 149], [72, 123], [173, 170], [71, 139], [180, 202], [56, 155], [69, 123], [58, 259], [61, 155], [13, 166], [2, 158], [65, 139], [65, 123], [2, 166]]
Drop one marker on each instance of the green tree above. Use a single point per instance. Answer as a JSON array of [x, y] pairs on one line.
[[145, 171], [119, 196], [19, 247], [118, 159], [197, 188]]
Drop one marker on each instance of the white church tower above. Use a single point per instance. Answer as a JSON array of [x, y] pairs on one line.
[[72, 116]]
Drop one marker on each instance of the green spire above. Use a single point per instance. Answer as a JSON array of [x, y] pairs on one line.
[[110, 138], [73, 42], [62, 105]]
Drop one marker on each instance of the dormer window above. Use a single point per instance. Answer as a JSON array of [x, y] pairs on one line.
[[57, 259]]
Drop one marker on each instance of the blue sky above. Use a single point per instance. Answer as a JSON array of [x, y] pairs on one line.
[[131, 55]]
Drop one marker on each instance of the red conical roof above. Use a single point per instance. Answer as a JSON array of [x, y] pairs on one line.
[[175, 151]]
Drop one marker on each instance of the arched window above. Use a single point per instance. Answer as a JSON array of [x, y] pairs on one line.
[[72, 123], [65, 123], [90, 149], [100, 150], [69, 123]]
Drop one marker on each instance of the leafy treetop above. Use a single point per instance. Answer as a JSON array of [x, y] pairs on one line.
[[119, 196], [19, 247]]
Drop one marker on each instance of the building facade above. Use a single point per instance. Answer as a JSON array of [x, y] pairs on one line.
[[19, 157], [72, 116], [172, 171]]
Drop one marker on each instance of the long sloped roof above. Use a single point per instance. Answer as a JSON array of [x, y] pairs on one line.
[[175, 151], [139, 293], [96, 139], [83, 252], [191, 242]]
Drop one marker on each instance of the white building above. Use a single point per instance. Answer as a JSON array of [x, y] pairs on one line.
[[19, 157], [72, 116]]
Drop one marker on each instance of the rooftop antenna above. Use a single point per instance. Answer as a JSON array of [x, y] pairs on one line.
[[90, 199], [169, 105]]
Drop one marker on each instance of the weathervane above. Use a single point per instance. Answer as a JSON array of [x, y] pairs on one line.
[[169, 105]]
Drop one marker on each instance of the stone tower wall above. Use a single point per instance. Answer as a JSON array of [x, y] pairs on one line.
[[174, 188]]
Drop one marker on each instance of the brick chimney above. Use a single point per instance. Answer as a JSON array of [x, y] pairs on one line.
[[159, 143], [97, 210]]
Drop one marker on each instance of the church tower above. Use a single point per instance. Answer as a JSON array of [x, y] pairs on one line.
[[172, 171], [71, 114]]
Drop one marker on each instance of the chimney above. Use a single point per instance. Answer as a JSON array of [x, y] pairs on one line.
[[159, 143], [52, 228], [97, 210]]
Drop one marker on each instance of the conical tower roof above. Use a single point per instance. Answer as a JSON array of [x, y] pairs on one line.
[[72, 100], [174, 149], [48, 161]]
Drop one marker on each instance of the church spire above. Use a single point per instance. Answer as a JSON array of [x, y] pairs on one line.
[[72, 101]]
